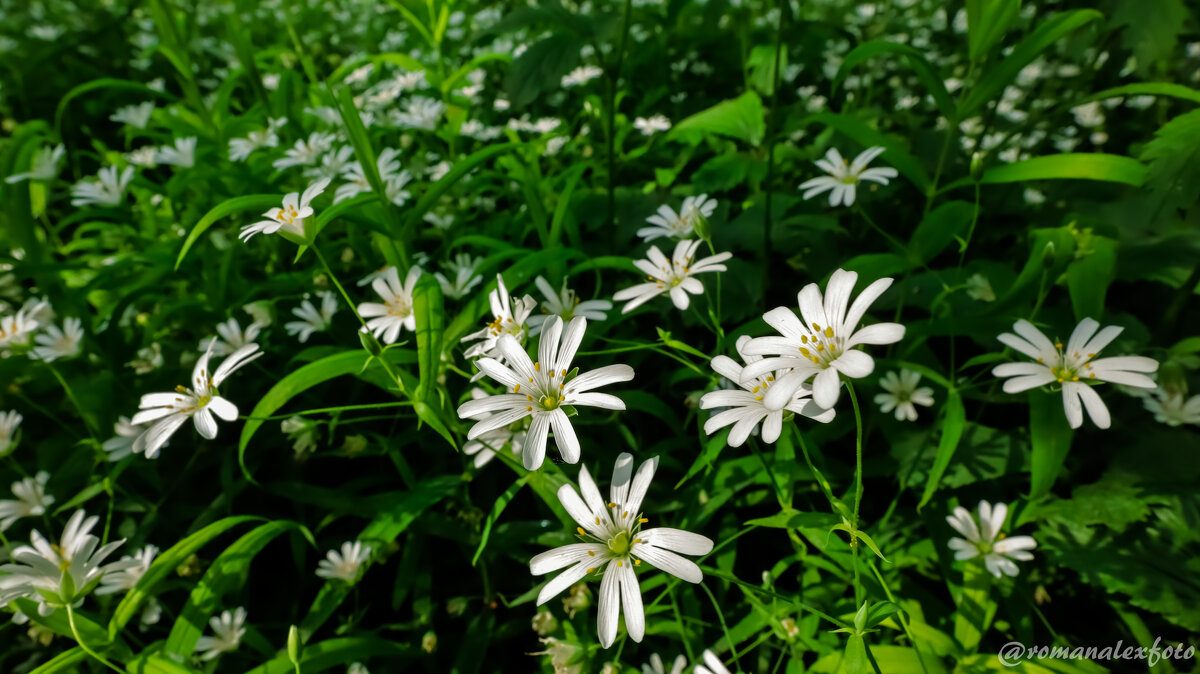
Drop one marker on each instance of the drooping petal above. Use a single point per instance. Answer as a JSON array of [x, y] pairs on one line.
[[610, 606], [1095, 407]]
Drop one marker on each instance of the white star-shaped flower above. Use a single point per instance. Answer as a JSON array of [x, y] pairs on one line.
[[844, 176], [396, 312], [674, 277], [985, 539], [290, 217]]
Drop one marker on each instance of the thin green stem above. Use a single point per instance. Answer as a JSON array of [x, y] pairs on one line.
[[825, 489], [84, 646], [721, 617], [784, 501], [858, 491], [74, 401], [687, 644]]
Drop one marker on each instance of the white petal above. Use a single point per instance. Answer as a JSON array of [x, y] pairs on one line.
[[610, 606]]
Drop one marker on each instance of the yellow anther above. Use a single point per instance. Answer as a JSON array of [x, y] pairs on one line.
[[829, 332], [612, 505], [597, 520], [591, 570], [643, 520], [517, 388], [816, 327], [637, 562], [580, 530], [591, 554], [537, 367], [619, 563], [804, 339], [528, 409], [1058, 345]]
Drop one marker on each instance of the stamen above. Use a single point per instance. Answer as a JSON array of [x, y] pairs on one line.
[[591, 553], [643, 520], [580, 530]]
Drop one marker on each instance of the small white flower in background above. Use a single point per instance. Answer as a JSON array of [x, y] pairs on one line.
[[668, 224], [181, 154], [902, 394], [386, 164], [39, 571], [290, 217], [306, 152], [421, 112], [9, 421], [565, 305], [844, 176], [462, 269], [540, 390], [1170, 408], [347, 565], [581, 75], [674, 277], [231, 337], [442, 222], [359, 74], [149, 359], [357, 668], [312, 320], [980, 289], [393, 188], [125, 579], [43, 166], [985, 539], [241, 148], [32, 500], [143, 156], [613, 538], [652, 125], [228, 630], [712, 665], [15, 330], [57, 343], [655, 666], [260, 311], [485, 446], [121, 444], [106, 189], [331, 165], [134, 115], [396, 312], [1033, 197], [824, 343], [151, 614], [302, 432], [169, 411], [1073, 368], [510, 314], [440, 169], [746, 406], [479, 131]]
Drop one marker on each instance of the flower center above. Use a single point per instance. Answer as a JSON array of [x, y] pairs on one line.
[[400, 309], [620, 544], [288, 214], [1070, 367], [202, 401], [823, 347]]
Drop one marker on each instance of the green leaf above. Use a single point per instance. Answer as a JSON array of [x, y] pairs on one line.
[[1000, 74], [227, 573], [1088, 277], [953, 424], [741, 119], [1050, 436], [250, 202], [406, 507], [1082, 166], [430, 317], [1144, 89], [541, 67], [338, 652], [925, 71], [856, 660], [1152, 29], [939, 229], [66, 662], [165, 564], [987, 22], [894, 155], [1173, 156], [976, 608], [795, 519]]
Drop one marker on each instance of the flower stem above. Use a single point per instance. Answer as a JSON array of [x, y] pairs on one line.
[[84, 646], [74, 401], [858, 489]]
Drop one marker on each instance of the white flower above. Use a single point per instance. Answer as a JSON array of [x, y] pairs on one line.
[[332, 164], [359, 74], [231, 337], [15, 330], [1172, 409], [386, 164], [844, 176], [746, 406], [312, 320], [1073, 368], [302, 432], [344, 566], [485, 446], [541, 389], [357, 668], [304, 152], [668, 224], [674, 276], [241, 148], [614, 538], [57, 343], [393, 188], [581, 75], [134, 115], [985, 539], [125, 579], [228, 630], [463, 270], [291, 216], [823, 344], [511, 315], [182, 154], [565, 305], [121, 445], [143, 156], [259, 311], [31, 500], [106, 189], [712, 665], [40, 571], [651, 125], [979, 288], [44, 165], [655, 666], [396, 312], [199, 403], [420, 113], [149, 359], [902, 394], [479, 131], [9, 421]]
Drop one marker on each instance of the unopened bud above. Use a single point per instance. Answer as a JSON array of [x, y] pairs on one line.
[[370, 343], [294, 646], [1048, 255], [429, 642], [977, 166]]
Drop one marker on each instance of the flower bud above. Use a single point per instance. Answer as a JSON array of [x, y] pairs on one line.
[[1048, 255], [977, 166], [294, 646], [429, 642], [544, 623]]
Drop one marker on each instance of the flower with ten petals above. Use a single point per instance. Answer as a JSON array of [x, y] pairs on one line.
[[674, 277], [844, 176], [396, 312], [345, 565], [290, 217], [902, 394], [985, 539]]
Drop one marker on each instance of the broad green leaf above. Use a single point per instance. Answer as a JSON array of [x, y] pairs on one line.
[[1173, 156], [165, 564], [915, 59], [894, 155], [339, 652], [856, 660], [407, 507], [1088, 277], [250, 202], [741, 118], [228, 571], [953, 424], [541, 67], [976, 608], [1085, 166], [795, 519], [987, 22], [939, 229], [1151, 29], [1160, 89], [1050, 436], [66, 662], [998, 76], [430, 317], [93, 634]]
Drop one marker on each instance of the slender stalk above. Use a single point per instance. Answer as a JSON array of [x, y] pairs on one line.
[[721, 616], [825, 489], [858, 490], [84, 646], [74, 401]]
